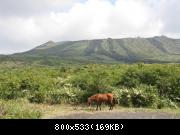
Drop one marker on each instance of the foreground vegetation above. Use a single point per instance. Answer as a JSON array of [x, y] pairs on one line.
[[21, 109], [154, 86]]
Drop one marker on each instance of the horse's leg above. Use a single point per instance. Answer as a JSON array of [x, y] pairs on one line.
[[97, 107], [110, 107], [111, 104], [100, 105]]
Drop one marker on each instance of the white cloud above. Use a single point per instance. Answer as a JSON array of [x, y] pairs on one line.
[[87, 20], [25, 8]]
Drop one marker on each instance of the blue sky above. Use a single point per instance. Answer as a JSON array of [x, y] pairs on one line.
[[25, 24], [112, 1]]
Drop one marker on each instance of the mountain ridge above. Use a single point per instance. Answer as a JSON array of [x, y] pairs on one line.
[[157, 48]]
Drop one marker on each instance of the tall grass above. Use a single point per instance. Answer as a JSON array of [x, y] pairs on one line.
[[16, 109]]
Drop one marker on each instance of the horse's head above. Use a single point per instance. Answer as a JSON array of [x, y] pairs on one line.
[[115, 101], [89, 102]]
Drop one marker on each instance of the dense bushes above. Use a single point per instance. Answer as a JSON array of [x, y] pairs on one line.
[[164, 102], [137, 85], [68, 95], [37, 97], [165, 78], [143, 96], [10, 90], [92, 80], [65, 95]]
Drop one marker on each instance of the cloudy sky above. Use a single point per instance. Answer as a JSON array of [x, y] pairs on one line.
[[25, 24]]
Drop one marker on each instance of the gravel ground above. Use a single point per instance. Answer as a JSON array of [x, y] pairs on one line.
[[118, 115]]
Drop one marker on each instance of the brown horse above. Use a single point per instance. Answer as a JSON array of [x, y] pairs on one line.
[[103, 98]]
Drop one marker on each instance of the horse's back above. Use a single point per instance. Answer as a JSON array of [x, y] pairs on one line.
[[109, 95], [104, 97]]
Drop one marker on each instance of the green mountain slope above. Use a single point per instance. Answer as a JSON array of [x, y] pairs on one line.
[[155, 49]]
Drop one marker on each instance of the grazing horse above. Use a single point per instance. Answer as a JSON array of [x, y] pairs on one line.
[[103, 98]]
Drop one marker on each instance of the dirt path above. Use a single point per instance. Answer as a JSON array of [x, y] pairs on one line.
[[118, 115]]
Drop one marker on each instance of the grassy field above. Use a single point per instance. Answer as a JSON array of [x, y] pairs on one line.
[[22, 109]]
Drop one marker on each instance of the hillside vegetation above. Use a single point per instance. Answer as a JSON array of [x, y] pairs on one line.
[[126, 50]]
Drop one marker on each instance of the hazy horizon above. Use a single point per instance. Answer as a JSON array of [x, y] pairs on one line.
[[26, 24]]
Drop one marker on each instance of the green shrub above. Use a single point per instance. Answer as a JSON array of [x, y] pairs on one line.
[[65, 95], [166, 103], [37, 97], [138, 100], [93, 80], [125, 98], [131, 78], [169, 88], [84, 96], [143, 96], [164, 77], [54, 98], [10, 90], [29, 85]]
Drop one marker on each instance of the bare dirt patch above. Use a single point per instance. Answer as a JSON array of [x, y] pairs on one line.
[[83, 112], [119, 115]]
